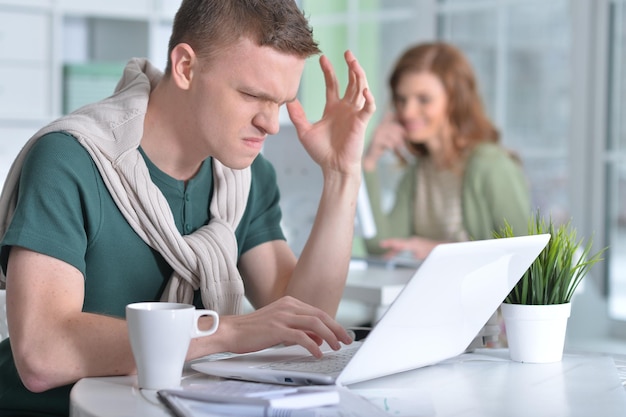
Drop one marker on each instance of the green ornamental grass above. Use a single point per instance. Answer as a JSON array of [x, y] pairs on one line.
[[553, 277]]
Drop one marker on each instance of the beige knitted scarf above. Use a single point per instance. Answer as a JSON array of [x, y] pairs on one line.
[[111, 131]]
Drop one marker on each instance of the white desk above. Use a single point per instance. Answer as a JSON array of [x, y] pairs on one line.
[[481, 384]]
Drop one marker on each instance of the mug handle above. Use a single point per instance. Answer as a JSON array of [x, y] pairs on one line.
[[196, 332]]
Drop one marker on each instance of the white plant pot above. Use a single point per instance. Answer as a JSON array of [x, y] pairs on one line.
[[536, 333]]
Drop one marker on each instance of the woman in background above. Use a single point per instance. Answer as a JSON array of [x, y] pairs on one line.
[[458, 183]]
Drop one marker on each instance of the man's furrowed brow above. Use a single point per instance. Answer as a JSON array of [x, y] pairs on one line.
[[268, 97]]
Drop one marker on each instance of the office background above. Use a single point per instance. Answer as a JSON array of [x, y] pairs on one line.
[[552, 75]]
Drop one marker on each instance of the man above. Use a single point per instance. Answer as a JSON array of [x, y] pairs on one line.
[[159, 192]]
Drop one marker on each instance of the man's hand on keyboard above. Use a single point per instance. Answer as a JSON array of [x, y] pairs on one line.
[[287, 321]]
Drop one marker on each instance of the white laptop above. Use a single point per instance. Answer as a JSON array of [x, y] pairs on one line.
[[436, 316]]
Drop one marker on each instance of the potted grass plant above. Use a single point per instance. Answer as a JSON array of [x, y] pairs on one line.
[[537, 309]]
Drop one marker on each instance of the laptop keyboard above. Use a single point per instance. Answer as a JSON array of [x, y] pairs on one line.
[[331, 363]]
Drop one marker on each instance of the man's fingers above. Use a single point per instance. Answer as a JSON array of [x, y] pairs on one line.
[[370, 105], [330, 79], [357, 81], [311, 320], [353, 89], [298, 117]]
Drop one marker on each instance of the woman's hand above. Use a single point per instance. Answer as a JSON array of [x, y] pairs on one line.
[[388, 136]]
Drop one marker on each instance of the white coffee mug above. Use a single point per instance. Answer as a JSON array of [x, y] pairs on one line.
[[160, 334]]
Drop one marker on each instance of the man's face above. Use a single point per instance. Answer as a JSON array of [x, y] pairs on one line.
[[235, 100]]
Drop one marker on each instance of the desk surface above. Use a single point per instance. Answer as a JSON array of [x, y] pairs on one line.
[[484, 383]]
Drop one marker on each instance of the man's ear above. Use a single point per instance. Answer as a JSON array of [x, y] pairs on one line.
[[184, 61]]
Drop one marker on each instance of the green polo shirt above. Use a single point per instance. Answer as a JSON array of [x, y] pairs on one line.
[[64, 210]]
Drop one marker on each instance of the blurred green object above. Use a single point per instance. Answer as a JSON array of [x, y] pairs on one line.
[[85, 83]]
